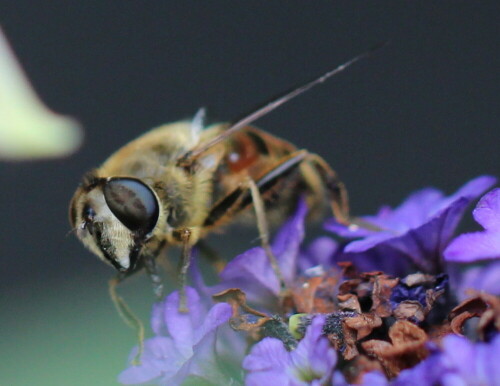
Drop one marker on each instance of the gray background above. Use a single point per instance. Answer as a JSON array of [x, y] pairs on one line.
[[423, 111]]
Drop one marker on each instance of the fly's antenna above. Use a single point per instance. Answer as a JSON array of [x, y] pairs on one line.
[[191, 155]]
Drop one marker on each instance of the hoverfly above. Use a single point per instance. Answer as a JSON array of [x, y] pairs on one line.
[[178, 182]]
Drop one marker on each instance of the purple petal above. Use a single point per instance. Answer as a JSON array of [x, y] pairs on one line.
[[320, 252], [292, 229], [286, 244], [252, 267], [134, 375], [421, 226], [422, 245], [471, 247], [415, 210], [203, 363], [268, 355], [487, 212], [252, 271], [157, 319], [181, 325], [479, 278], [428, 372], [475, 364], [488, 359], [370, 242], [338, 379], [314, 354], [349, 232], [470, 190], [312, 362], [381, 258], [191, 349], [479, 245], [160, 357], [271, 377], [459, 351], [218, 314], [460, 363], [374, 378]]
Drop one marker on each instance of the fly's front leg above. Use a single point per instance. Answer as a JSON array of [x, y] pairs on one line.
[[149, 262], [154, 275], [127, 315]]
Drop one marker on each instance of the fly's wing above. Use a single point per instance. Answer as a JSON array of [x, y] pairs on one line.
[[191, 156]]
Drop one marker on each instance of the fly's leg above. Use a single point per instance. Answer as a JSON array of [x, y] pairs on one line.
[[339, 201], [336, 189], [154, 275], [250, 193], [127, 315], [185, 237], [149, 263], [241, 198], [258, 205]]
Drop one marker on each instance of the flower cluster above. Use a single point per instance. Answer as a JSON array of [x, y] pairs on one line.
[[384, 302]]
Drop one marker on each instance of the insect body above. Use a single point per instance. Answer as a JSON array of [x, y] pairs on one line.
[[177, 183], [141, 198]]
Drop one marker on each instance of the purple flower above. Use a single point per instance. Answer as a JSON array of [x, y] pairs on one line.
[[184, 345], [417, 231], [482, 245], [311, 363], [460, 362]]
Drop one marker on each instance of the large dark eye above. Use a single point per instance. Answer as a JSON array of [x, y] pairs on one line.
[[133, 203]]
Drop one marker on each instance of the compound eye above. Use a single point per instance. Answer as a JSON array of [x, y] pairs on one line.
[[133, 203]]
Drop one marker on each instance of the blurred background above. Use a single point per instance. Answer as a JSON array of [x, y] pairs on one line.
[[421, 112]]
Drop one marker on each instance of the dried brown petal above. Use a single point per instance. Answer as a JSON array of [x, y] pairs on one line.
[[344, 343], [349, 286], [437, 333], [430, 298], [349, 302], [381, 295], [365, 289], [407, 348], [369, 275], [484, 306], [236, 298], [241, 321], [410, 310], [491, 318], [363, 324], [376, 348], [348, 270], [342, 338], [315, 295], [344, 329], [406, 333]]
